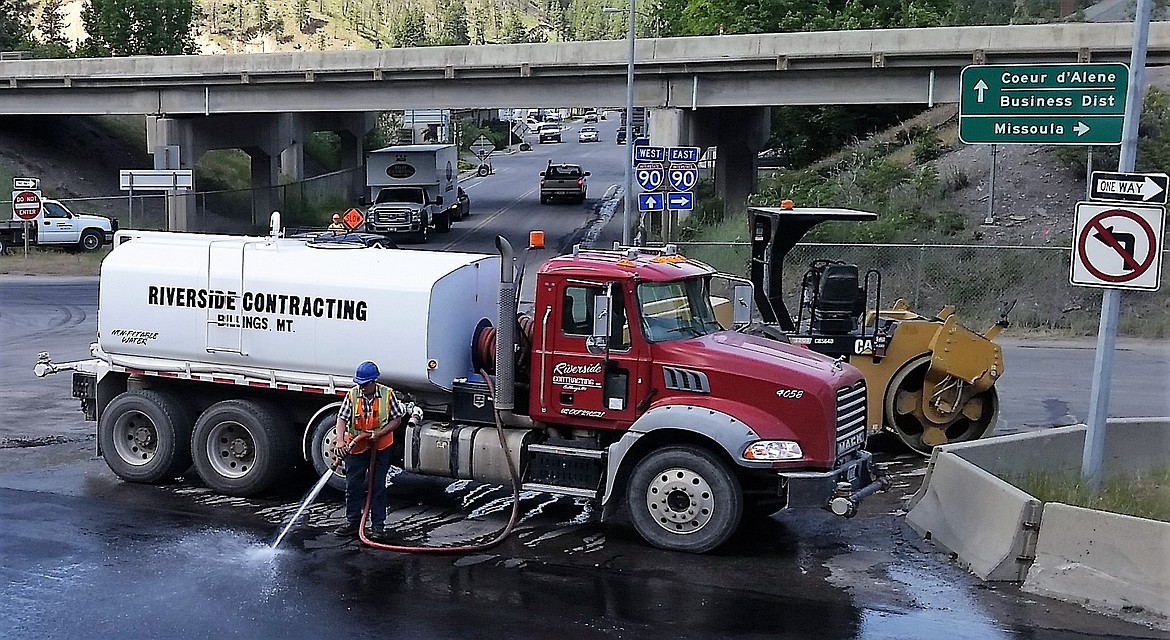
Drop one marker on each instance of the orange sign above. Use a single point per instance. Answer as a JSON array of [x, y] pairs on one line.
[[353, 218]]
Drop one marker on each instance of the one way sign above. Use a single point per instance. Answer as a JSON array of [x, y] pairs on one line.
[[1148, 188]]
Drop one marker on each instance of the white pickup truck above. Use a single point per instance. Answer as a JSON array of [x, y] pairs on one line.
[[60, 227]]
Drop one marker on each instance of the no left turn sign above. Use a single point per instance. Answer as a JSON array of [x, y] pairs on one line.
[[26, 204], [1117, 246]]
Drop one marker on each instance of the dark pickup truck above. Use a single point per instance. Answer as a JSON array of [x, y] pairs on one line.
[[562, 181]]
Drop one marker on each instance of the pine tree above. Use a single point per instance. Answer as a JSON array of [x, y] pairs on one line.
[[52, 24], [15, 30], [303, 16], [455, 29], [513, 31]]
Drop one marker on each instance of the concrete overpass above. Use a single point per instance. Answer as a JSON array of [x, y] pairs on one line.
[[711, 90]]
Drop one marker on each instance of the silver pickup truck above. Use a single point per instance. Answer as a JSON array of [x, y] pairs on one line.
[[60, 227]]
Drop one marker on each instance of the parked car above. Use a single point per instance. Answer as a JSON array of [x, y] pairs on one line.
[[563, 181], [461, 208], [549, 132], [588, 134]]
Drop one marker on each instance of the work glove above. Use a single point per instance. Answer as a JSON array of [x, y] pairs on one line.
[[344, 451], [416, 415]]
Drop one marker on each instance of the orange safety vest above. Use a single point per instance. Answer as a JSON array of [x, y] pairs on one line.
[[369, 416]]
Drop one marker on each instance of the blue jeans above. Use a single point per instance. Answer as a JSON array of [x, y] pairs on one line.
[[356, 466]]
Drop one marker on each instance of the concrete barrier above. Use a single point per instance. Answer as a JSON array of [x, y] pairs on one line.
[[999, 532], [1103, 559], [986, 522]]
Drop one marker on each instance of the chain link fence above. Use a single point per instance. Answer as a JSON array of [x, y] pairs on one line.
[[980, 281], [307, 202]]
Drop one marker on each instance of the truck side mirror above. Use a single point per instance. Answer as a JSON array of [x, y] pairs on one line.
[[439, 200], [741, 310], [586, 173], [598, 342], [542, 174]]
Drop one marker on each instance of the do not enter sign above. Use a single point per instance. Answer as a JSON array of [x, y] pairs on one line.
[[26, 204], [1117, 246]]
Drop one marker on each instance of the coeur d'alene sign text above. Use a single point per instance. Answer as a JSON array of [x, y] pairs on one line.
[[1043, 104]]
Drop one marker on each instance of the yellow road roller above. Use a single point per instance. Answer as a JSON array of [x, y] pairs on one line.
[[930, 380]]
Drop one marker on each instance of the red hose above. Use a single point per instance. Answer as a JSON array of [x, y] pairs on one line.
[[504, 533]]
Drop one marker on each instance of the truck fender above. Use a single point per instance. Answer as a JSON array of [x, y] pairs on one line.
[[730, 433], [308, 433]]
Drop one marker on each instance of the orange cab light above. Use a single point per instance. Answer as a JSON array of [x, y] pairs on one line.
[[785, 204], [535, 239]]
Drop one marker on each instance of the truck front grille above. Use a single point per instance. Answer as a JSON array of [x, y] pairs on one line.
[[850, 418], [390, 216]]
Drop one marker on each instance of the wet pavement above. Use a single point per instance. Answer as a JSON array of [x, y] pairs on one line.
[[83, 554]]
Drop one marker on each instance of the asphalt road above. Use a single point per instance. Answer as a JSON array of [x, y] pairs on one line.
[[84, 555]]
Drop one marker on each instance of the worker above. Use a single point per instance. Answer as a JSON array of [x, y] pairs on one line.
[[337, 226], [369, 414]]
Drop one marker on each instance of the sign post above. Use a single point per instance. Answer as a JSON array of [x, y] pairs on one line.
[[1060, 104], [1094, 451]]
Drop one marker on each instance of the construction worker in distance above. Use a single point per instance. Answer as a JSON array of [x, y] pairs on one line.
[[369, 414], [337, 226]]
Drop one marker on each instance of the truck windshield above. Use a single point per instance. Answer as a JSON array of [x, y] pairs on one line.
[[676, 310], [400, 194]]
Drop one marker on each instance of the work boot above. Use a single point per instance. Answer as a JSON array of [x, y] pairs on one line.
[[347, 530], [377, 533]]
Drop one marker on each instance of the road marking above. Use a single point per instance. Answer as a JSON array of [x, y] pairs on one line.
[[451, 245]]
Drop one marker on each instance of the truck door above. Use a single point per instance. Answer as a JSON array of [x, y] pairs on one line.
[[579, 386], [57, 226], [225, 273]]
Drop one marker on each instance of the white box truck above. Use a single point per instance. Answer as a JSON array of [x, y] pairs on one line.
[[406, 187]]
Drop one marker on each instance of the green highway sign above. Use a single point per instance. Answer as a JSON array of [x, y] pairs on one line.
[[1043, 104]]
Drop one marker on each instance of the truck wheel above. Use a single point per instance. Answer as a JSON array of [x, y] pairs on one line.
[[422, 236], [323, 449], [241, 448], [90, 241], [684, 499], [145, 436], [443, 223]]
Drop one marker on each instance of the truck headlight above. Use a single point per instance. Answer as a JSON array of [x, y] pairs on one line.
[[769, 450], [415, 216]]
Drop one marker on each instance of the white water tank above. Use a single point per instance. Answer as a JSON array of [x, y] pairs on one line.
[[284, 305]]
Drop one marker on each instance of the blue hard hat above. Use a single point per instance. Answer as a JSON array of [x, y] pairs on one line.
[[366, 372]]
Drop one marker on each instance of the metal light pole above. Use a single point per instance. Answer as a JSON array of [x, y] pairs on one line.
[[628, 205]]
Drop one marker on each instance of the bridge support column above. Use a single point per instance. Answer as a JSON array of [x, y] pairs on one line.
[[265, 174], [739, 133], [180, 207]]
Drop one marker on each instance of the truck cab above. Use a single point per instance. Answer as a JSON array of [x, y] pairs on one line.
[[626, 347]]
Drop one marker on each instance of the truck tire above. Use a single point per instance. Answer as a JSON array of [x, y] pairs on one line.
[[145, 436], [90, 241], [443, 222], [422, 236], [323, 449], [683, 498], [241, 447]]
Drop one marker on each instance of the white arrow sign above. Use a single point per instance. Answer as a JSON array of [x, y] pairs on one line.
[[1147, 188], [1081, 128], [980, 87]]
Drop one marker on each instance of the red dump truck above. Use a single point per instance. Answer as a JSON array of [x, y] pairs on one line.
[[232, 353]]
